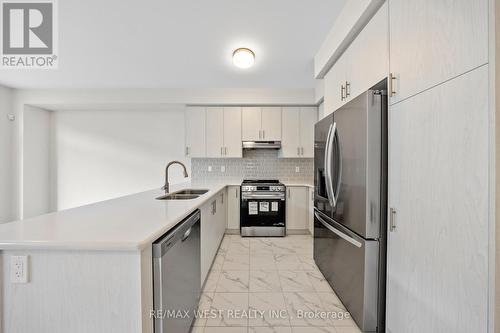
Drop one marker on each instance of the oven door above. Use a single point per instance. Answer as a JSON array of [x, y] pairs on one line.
[[262, 209]]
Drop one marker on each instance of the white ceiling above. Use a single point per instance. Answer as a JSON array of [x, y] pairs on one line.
[[183, 44]]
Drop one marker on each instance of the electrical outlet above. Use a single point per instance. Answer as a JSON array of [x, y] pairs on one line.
[[19, 269], [209, 168], [222, 168], [297, 169]]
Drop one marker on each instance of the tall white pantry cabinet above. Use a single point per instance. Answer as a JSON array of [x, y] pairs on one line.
[[437, 261]]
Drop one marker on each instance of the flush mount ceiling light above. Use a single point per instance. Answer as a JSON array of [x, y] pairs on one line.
[[243, 57]]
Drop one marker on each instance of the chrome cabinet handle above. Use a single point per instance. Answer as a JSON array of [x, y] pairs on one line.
[[302, 151], [187, 151], [298, 151], [236, 193], [347, 89], [214, 207], [391, 80], [222, 198], [342, 90], [392, 220], [263, 134]]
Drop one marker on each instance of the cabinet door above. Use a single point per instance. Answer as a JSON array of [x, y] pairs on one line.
[[290, 139], [221, 218], [208, 235], [297, 208], [437, 257], [215, 132], [369, 55], [271, 123], [233, 208], [433, 41], [308, 117], [251, 121], [334, 81], [232, 132], [311, 211], [195, 131]]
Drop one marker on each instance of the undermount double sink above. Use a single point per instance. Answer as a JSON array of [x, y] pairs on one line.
[[187, 194]]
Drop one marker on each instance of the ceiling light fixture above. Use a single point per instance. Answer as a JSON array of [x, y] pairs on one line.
[[243, 57]]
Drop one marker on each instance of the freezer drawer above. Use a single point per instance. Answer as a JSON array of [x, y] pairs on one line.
[[350, 264]]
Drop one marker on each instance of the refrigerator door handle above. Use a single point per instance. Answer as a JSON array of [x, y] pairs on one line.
[[339, 159], [338, 232], [328, 166]]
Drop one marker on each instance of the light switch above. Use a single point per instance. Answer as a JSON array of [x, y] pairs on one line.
[[222, 168], [297, 169], [209, 168]]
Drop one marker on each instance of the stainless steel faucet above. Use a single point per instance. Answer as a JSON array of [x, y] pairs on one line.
[[166, 187]]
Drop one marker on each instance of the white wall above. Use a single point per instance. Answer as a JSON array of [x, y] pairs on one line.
[[100, 155], [6, 130], [36, 162]]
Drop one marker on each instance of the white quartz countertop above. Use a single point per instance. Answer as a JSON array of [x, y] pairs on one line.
[[127, 223]]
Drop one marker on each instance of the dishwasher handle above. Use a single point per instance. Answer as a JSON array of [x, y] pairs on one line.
[[186, 234], [180, 232]]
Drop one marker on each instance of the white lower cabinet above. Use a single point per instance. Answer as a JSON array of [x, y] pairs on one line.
[[213, 226], [437, 250], [311, 211], [297, 208], [233, 208]]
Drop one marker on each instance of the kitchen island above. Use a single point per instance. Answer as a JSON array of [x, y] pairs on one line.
[[90, 268]]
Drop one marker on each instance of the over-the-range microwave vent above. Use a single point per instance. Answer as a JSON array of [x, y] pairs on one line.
[[262, 144]]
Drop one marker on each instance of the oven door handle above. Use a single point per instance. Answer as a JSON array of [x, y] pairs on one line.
[[338, 232], [262, 196]]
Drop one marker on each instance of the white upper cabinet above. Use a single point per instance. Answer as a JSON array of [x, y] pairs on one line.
[[368, 55], [433, 41], [261, 124], [215, 132], [334, 86], [290, 142], [298, 131], [362, 65], [251, 120], [195, 131], [308, 117], [232, 132], [271, 123], [223, 132]]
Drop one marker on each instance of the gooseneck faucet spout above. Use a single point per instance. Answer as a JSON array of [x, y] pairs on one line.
[[166, 187]]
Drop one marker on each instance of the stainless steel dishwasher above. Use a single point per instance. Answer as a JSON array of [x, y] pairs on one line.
[[176, 276]]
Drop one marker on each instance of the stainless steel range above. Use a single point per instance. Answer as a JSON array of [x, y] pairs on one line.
[[263, 208]]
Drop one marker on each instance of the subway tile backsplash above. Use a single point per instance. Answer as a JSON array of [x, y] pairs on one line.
[[258, 163]]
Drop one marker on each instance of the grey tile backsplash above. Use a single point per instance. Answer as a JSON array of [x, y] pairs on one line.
[[259, 163]]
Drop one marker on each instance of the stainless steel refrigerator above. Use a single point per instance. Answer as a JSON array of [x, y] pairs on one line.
[[350, 162]]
